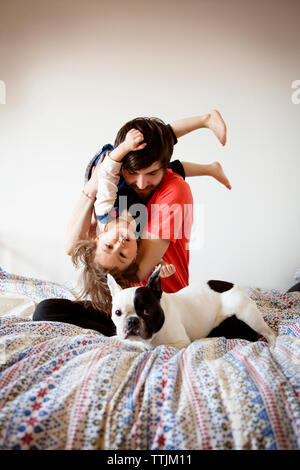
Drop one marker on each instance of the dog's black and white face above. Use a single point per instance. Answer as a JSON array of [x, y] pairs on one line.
[[136, 311]]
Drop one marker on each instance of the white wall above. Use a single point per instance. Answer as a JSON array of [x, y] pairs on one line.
[[76, 70]]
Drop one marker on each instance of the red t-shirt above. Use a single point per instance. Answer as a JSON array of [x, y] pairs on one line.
[[170, 217]]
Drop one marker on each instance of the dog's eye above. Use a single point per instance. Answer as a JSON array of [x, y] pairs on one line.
[[118, 313]]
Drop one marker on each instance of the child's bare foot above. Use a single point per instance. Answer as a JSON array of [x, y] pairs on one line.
[[217, 125], [218, 173]]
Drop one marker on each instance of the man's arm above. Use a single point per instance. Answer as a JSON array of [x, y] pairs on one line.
[[80, 223], [150, 254]]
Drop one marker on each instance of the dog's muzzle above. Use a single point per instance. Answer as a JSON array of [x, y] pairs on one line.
[[132, 326]]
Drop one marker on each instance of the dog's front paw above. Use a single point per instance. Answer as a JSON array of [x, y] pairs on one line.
[[272, 340], [135, 343], [181, 344]]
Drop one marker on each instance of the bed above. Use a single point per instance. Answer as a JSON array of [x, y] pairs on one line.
[[64, 387]]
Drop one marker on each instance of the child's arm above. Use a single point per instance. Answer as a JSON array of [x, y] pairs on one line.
[[109, 173], [108, 179], [212, 121]]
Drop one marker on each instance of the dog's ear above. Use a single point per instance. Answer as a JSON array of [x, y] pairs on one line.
[[113, 285], [154, 283]]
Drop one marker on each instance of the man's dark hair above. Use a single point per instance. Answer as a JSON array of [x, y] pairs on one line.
[[160, 143]]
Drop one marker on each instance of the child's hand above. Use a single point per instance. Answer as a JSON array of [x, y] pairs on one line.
[[166, 270], [133, 140]]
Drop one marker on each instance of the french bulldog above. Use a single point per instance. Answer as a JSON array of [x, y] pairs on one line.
[[150, 315]]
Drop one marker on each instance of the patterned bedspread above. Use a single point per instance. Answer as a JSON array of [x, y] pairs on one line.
[[64, 387]]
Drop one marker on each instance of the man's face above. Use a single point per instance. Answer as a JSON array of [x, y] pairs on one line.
[[145, 181]]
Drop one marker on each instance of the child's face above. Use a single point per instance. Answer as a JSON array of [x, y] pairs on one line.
[[117, 247]]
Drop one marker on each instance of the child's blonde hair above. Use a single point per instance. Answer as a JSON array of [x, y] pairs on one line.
[[94, 276]]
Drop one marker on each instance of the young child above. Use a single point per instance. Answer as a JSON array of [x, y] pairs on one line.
[[116, 225]]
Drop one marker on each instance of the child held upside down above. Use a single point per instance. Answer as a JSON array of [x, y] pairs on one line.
[[114, 244]]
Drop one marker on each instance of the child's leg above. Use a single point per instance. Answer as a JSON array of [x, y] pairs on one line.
[[212, 169], [212, 121]]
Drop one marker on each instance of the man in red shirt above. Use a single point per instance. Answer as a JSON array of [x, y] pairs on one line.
[[170, 217]]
